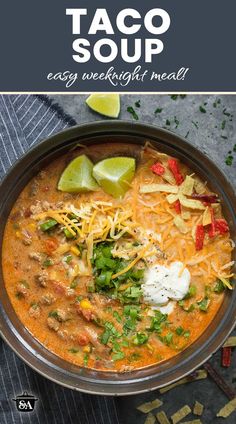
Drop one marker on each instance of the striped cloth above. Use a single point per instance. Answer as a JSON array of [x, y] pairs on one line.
[[24, 121]]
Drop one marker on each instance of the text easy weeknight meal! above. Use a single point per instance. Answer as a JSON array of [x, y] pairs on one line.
[[116, 257]]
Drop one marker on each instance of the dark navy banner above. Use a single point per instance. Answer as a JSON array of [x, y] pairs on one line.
[[121, 46]]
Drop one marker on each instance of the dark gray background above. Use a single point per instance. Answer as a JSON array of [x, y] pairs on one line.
[[36, 38], [208, 138]]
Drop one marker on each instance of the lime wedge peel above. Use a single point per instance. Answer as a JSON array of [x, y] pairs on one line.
[[77, 177], [114, 175], [105, 104]]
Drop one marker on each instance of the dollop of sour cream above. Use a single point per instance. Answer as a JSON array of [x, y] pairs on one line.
[[162, 284]]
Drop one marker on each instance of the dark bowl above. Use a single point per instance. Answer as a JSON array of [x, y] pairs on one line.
[[98, 382]]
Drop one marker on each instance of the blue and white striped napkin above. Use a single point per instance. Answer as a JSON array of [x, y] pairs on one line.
[[24, 121]]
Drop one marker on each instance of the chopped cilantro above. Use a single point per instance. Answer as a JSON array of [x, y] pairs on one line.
[[86, 358], [158, 110], [179, 331], [48, 262], [190, 308], [174, 96], [202, 109], [132, 112], [73, 350], [191, 292], [167, 339], [137, 104], [229, 160], [168, 122], [203, 304], [186, 334], [195, 124], [223, 125], [117, 316], [134, 357], [225, 112], [176, 122], [219, 287], [140, 338], [74, 284], [118, 355]]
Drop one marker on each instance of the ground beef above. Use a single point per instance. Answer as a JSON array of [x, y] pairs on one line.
[[53, 324], [34, 311], [42, 278], [47, 299], [35, 255]]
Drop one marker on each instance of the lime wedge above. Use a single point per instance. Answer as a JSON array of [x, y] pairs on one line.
[[115, 174], [105, 104], [77, 177]]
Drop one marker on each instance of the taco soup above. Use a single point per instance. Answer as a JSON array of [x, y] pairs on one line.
[[116, 257]]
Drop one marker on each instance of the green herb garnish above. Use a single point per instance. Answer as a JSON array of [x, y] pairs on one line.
[[48, 225], [140, 339], [203, 304], [132, 112], [202, 109]]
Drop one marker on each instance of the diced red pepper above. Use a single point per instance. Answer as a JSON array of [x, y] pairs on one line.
[[174, 167], [158, 168], [221, 226], [177, 207], [226, 357], [206, 198], [212, 229], [200, 234]]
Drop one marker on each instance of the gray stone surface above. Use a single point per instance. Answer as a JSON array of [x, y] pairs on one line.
[[207, 136], [213, 132]]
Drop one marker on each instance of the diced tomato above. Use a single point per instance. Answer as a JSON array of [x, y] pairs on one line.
[[58, 287], [217, 226], [51, 244], [86, 313], [158, 168], [221, 226], [82, 339], [206, 198], [226, 357], [212, 229], [177, 207], [174, 167], [200, 234]]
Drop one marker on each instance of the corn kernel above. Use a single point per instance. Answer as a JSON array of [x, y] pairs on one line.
[[85, 304], [86, 349], [18, 234], [75, 250]]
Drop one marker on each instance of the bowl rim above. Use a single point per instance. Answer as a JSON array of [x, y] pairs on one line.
[[104, 128]]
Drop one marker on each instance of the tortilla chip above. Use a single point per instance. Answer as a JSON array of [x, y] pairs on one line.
[[149, 406], [187, 186], [162, 418], [180, 224], [198, 408], [152, 188], [180, 414], [227, 410], [191, 203], [206, 217], [199, 375], [230, 342], [150, 419], [192, 422]]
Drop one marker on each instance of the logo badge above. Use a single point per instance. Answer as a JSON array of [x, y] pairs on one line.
[[25, 402]]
